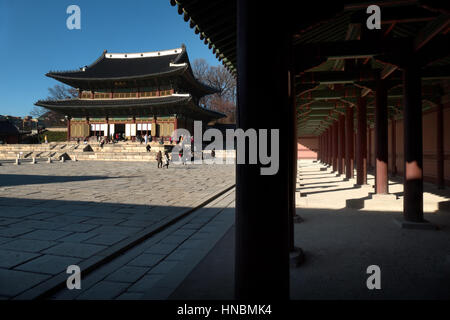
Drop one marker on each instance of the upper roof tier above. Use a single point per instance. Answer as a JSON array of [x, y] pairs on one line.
[[143, 69]]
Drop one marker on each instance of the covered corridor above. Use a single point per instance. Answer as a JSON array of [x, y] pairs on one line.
[[315, 70]]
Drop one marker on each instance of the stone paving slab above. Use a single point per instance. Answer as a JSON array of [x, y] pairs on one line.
[[127, 274], [26, 245], [13, 282], [140, 269], [9, 259], [106, 238], [104, 291], [46, 235], [80, 250], [48, 264]]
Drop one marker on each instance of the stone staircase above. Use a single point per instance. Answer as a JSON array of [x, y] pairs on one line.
[[122, 151]]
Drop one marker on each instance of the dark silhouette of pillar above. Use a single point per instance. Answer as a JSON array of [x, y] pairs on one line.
[[412, 121], [440, 146], [394, 147], [349, 143], [361, 140], [262, 226], [293, 156], [381, 139], [369, 146], [341, 144]]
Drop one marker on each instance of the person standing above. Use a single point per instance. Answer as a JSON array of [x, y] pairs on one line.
[[167, 159], [146, 138], [159, 159]]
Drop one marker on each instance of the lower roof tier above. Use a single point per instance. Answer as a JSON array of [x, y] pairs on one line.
[[167, 105]]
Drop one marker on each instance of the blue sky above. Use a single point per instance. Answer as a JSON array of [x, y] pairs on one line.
[[34, 39]]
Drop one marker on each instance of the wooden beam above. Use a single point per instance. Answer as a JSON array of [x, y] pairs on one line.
[[431, 30], [349, 49], [329, 77], [387, 70], [393, 3]]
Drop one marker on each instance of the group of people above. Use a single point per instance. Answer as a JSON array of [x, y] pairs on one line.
[[144, 139], [159, 159]]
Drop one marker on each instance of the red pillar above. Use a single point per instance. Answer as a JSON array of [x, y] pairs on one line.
[[361, 140], [322, 146], [335, 146], [319, 139], [394, 147], [341, 144], [440, 146], [349, 143], [322, 149], [326, 146], [412, 120], [381, 139]]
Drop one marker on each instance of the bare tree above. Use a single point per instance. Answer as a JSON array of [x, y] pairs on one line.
[[60, 92], [57, 92], [200, 68], [218, 77]]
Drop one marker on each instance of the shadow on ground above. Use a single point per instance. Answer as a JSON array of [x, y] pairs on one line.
[[339, 246], [8, 180]]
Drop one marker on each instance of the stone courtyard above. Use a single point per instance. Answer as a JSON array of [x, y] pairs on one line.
[[56, 214]]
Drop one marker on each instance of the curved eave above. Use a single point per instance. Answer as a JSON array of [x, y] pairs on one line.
[[77, 107], [62, 78]]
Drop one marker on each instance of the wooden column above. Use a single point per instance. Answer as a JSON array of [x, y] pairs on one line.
[[107, 133], [341, 144], [394, 146], [413, 153], [68, 129], [349, 152], [381, 139], [318, 147], [292, 148], [335, 146], [369, 146], [320, 154], [262, 201], [330, 145], [361, 140], [440, 146], [154, 129]]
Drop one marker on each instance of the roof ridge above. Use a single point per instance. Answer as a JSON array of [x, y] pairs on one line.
[[147, 54]]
